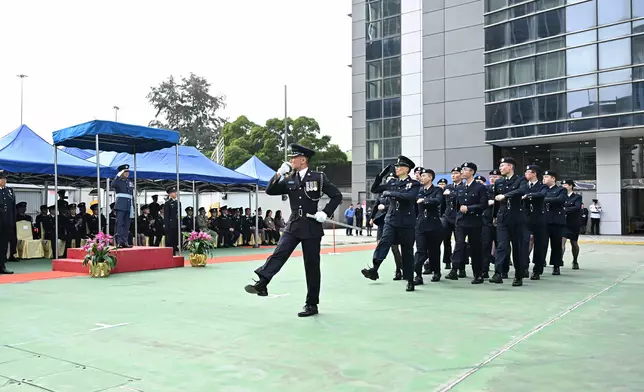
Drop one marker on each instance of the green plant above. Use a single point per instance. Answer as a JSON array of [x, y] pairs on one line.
[[199, 243], [99, 250]]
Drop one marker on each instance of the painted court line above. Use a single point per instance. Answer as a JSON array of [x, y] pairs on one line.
[[100, 326], [534, 331]]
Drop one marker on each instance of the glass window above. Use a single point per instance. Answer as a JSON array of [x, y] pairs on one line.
[[391, 147], [582, 103], [551, 65], [374, 50], [621, 75], [391, 87], [546, 4], [638, 49], [522, 10], [638, 73], [616, 99], [522, 30], [391, 107], [391, 26], [551, 87], [374, 150], [496, 37], [614, 31], [638, 8], [523, 91], [551, 44], [374, 89], [374, 130], [611, 11], [373, 11], [615, 122], [552, 107], [374, 168], [373, 31], [493, 5], [582, 125], [581, 60], [582, 82], [390, 8], [614, 53], [581, 16], [374, 70], [638, 96], [392, 127], [497, 56], [522, 71], [496, 17], [374, 109], [500, 95], [496, 115], [391, 47], [522, 51], [391, 67], [550, 23], [522, 112], [581, 38], [498, 76], [638, 26]]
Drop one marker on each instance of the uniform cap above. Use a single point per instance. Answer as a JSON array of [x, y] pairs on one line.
[[550, 173], [404, 161], [43, 207], [494, 172], [509, 160], [480, 178], [82, 204], [296, 150], [188, 209], [533, 168], [145, 207], [418, 169], [3, 173], [123, 167], [569, 182], [171, 189], [428, 171], [93, 207], [72, 206], [456, 169], [442, 181], [22, 204], [469, 165], [52, 207], [202, 209]]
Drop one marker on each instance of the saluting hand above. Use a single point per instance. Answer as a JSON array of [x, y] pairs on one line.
[[381, 207]]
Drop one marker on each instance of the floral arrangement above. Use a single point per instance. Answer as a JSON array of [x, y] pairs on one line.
[[99, 250], [199, 243]]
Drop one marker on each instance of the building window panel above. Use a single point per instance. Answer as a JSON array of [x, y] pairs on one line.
[[374, 150], [373, 11], [522, 112], [582, 103], [391, 107], [373, 169], [621, 75], [614, 53], [374, 70], [550, 23], [496, 115], [638, 26], [551, 44], [614, 31], [493, 5], [552, 107], [374, 109], [581, 38], [638, 8], [391, 67], [616, 122], [500, 95], [392, 127], [522, 71], [374, 31], [374, 89], [638, 96], [391, 26], [391, 87], [522, 51], [524, 9], [551, 87], [391, 47], [522, 30], [496, 37], [523, 91], [374, 50], [391, 147], [374, 130], [581, 60], [616, 99], [496, 17], [547, 4], [390, 8], [581, 16], [638, 49], [498, 76], [582, 125], [582, 82], [551, 65], [497, 56], [611, 11]]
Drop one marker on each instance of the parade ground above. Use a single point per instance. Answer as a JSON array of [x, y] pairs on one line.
[[196, 329]]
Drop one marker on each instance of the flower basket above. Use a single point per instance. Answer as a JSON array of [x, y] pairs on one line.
[[200, 245], [100, 257]]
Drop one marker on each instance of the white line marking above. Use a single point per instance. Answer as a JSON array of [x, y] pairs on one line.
[[100, 326], [536, 329], [278, 295]]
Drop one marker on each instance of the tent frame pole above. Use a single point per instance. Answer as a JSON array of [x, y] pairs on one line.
[[135, 205], [179, 239], [256, 245], [98, 182], [55, 246], [194, 209], [107, 204]]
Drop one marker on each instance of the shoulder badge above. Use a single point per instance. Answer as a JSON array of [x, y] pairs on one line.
[[409, 185]]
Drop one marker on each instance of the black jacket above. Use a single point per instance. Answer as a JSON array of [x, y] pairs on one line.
[[511, 209], [403, 195], [474, 197], [572, 207], [429, 211], [553, 203], [533, 203]]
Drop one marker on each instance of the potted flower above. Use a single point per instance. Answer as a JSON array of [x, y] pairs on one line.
[[200, 245], [100, 256]]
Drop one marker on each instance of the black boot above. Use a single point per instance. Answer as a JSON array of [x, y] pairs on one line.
[[478, 280], [453, 275], [462, 274], [5, 271], [486, 275], [436, 277], [517, 282], [556, 271], [370, 273], [496, 278], [575, 265], [397, 276], [308, 310], [260, 288], [410, 286], [418, 281], [535, 276]]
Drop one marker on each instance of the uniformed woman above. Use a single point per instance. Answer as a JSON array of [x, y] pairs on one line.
[[572, 207]]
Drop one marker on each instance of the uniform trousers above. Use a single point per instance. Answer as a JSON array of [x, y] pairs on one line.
[[172, 239], [555, 233], [428, 247], [397, 235], [5, 237], [488, 237], [507, 235], [540, 247], [122, 227], [473, 235], [311, 254], [395, 249], [447, 242]]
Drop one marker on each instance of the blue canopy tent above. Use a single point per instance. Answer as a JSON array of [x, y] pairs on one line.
[[117, 137], [258, 170], [79, 152]]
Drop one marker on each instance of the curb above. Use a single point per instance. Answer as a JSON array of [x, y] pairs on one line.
[[611, 242]]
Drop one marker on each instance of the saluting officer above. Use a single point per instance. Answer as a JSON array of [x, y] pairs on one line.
[[471, 200], [304, 188], [378, 216], [399, 221], [449, 217], [429, 228], [7, 220], [511, 221], [170, 210], [573, 222], [555, 218], [124, 206], [536, 241]]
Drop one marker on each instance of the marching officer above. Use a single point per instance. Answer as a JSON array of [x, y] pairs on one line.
[[304, 188], [124, 206], [400, 219], [487, 231], [429, 228], [555, 218], [450, 219], [170, 210], [511, 221], [7, 220], [536, 223], [378, 215], [573, 221], [494, 176], [471, 200]]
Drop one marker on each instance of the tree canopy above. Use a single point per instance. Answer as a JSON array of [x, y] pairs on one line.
[[244, 138]]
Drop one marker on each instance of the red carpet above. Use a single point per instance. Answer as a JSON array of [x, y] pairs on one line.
[[139, 258]]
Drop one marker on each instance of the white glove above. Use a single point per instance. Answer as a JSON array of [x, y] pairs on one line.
[[320, 216], [381, 207], [490, 202], [285, 168]]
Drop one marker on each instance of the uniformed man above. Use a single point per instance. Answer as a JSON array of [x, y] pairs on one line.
[[39, 222], [246, 225], [572, 207], [158, 228], [399, 221], [155, 207], [112, 217], [202, 219], [471, 200], [92, 221], [170, 210], [429, 229], [555, 218], [537, 240], [124, 205], [487, 236], [49, 226], [304, 189], [144, 228], [7, 220], [224, 226], [511, 221], [378, 216], [187, 223], [81, 219], [494, 176], [449, 218]]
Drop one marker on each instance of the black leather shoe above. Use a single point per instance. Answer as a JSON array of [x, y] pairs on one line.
[[370, 273], [504, 275], [410, 286], [260, 288], [436, 277], [308, 310], [453, 275], [397, 276], [496, 278], [478, 280], [486, 275], [13, 259], [5, 271], [575, 265], [418, 281], [556, 271], [462, 274], [448, 266], [535, 276], [427, 271], [517, 282]]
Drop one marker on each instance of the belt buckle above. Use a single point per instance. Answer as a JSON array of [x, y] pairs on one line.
[[425, 213], [299, 212], [509, 204], [531, 208], [547, 206], [397, 204]]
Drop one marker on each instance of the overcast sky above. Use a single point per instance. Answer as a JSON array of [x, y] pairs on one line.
[[84, 57]]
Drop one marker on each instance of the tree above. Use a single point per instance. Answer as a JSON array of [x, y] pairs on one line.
[[244, 138], [188, 108]]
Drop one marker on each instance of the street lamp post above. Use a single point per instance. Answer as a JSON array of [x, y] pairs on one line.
[[116, 113], [22, 84]]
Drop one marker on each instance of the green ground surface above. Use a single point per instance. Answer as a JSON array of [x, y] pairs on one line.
[[196, 329]]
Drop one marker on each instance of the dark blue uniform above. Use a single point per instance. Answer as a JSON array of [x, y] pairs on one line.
[[449, 218], [488, 233], [429, 231], [555, 221], [171, 210], [124, 208], [304, 195], [469, 224], [7, 222], [572, 207], [511, 224], [378, 217], [534, 206]]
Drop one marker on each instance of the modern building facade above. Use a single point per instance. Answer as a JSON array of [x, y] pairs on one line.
[[557, 83]]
